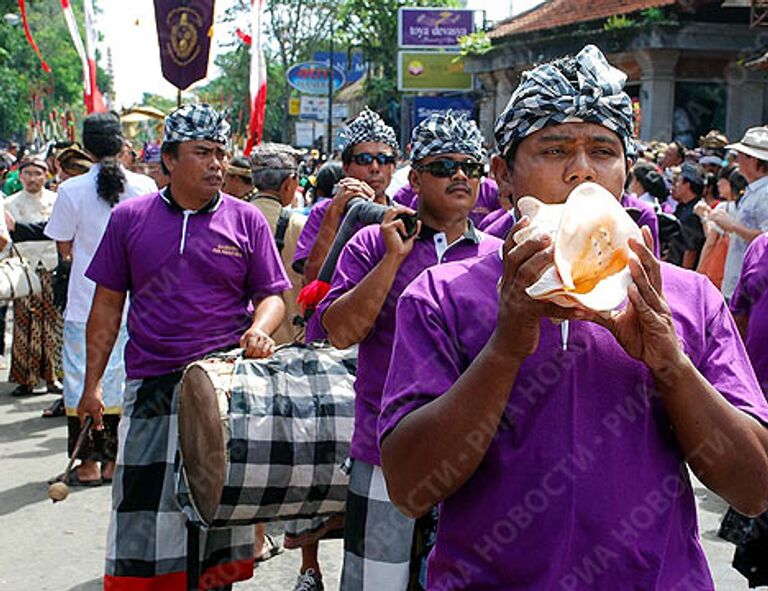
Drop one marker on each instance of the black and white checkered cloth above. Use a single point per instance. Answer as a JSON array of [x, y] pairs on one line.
[[378, 538], [146, 540], [446, 133], [368, 126], [585, 88], [196, 122], [291, 418]]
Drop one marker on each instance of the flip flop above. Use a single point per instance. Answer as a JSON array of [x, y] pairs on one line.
[[55, 410], [74, 482], [273, 548]]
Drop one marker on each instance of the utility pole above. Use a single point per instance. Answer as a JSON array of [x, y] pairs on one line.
[[329, 142]]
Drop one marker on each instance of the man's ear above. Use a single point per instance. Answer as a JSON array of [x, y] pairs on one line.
[[414, 179], [502, 176], [168, 161]]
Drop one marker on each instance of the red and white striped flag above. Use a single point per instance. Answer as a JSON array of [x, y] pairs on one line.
[[258, 84], [86, 52], [94, 102], [74, 32]]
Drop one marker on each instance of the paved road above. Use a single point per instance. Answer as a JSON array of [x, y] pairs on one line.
[[61, 547]]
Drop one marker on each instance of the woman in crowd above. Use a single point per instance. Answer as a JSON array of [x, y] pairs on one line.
[[730, 186], [37, 324]]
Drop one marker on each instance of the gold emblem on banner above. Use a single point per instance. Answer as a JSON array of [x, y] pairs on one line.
[[184, 23]]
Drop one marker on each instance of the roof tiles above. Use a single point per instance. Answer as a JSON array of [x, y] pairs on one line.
[[558, 13]]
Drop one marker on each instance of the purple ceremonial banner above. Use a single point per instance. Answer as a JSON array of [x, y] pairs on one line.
[[436, 27], [184, 34]]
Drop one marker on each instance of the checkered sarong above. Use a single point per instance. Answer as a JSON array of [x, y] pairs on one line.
[[377, 537], [147, 538], [290, 420]]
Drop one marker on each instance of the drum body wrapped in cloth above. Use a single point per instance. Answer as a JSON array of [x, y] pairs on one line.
[[263, 440]]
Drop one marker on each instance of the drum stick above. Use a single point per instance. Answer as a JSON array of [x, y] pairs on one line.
[[58, 491]]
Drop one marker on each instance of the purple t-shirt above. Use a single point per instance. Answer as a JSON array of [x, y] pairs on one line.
[[647, 217], [361, 254], [487, 199], [750, 298], [491, 217], [501, 225], [310, 230], [583, 486], [186, 304]]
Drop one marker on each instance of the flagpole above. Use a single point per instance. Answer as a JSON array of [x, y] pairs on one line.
[[330, 93], [178, 97]]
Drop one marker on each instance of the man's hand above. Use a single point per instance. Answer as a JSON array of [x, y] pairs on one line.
[[91, 404], [10, 221], [393, 230], [722, 219], [256, 344], [645, 328], [347, 189], [517, 325]]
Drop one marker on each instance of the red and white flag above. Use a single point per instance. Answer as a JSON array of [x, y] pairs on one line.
[[258, 86], [86, 52], [95, 101]]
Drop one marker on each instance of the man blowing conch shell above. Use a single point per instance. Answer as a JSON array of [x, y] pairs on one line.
[[565, 467]]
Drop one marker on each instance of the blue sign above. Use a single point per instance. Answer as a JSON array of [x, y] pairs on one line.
[[312, 78], [424, 106], [352, 64]]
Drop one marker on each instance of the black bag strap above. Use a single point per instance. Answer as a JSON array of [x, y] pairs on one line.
[[281, 228]]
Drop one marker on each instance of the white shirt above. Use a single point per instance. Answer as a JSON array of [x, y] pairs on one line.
[[751, 211], [30, 208], [81, 216]]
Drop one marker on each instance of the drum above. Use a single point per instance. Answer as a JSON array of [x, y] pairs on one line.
[[263, 440]]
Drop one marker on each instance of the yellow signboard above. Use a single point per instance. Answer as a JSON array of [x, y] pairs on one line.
[[294, 106], [432, 71]]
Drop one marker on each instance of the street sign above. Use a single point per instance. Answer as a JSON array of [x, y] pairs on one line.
[[312, 78], [316, 108], [305, 134], [433, 27], [351, 64], [432, 71], [294, 106], [425, 106]]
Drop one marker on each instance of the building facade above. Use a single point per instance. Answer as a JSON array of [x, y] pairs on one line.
[[684, 59]]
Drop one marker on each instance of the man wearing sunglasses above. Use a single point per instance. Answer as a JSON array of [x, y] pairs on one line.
[[368, 160], [374, 268]]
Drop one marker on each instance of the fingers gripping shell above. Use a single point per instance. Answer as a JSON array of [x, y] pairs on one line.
[[590, 231]]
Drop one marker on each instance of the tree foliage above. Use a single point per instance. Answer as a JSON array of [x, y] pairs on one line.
[[372, 26], [293, 30], [28, 93]]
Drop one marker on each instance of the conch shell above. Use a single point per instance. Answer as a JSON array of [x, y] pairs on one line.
[[590, 231]]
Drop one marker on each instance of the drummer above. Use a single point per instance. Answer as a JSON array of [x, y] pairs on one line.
[[203, 274], [374, 268], [567, 469]]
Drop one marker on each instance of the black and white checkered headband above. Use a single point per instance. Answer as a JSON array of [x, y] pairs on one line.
[[368, 127], [547, 95], [446, 133], [196, 122]]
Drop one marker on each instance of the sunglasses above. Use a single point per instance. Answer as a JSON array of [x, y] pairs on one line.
[[446, 168], [365, 158]]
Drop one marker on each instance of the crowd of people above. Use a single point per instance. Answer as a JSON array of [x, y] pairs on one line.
[[495, 435]]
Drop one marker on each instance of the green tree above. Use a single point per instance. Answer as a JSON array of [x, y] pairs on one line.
[[292, 30], [372, 26], [30, 94]]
